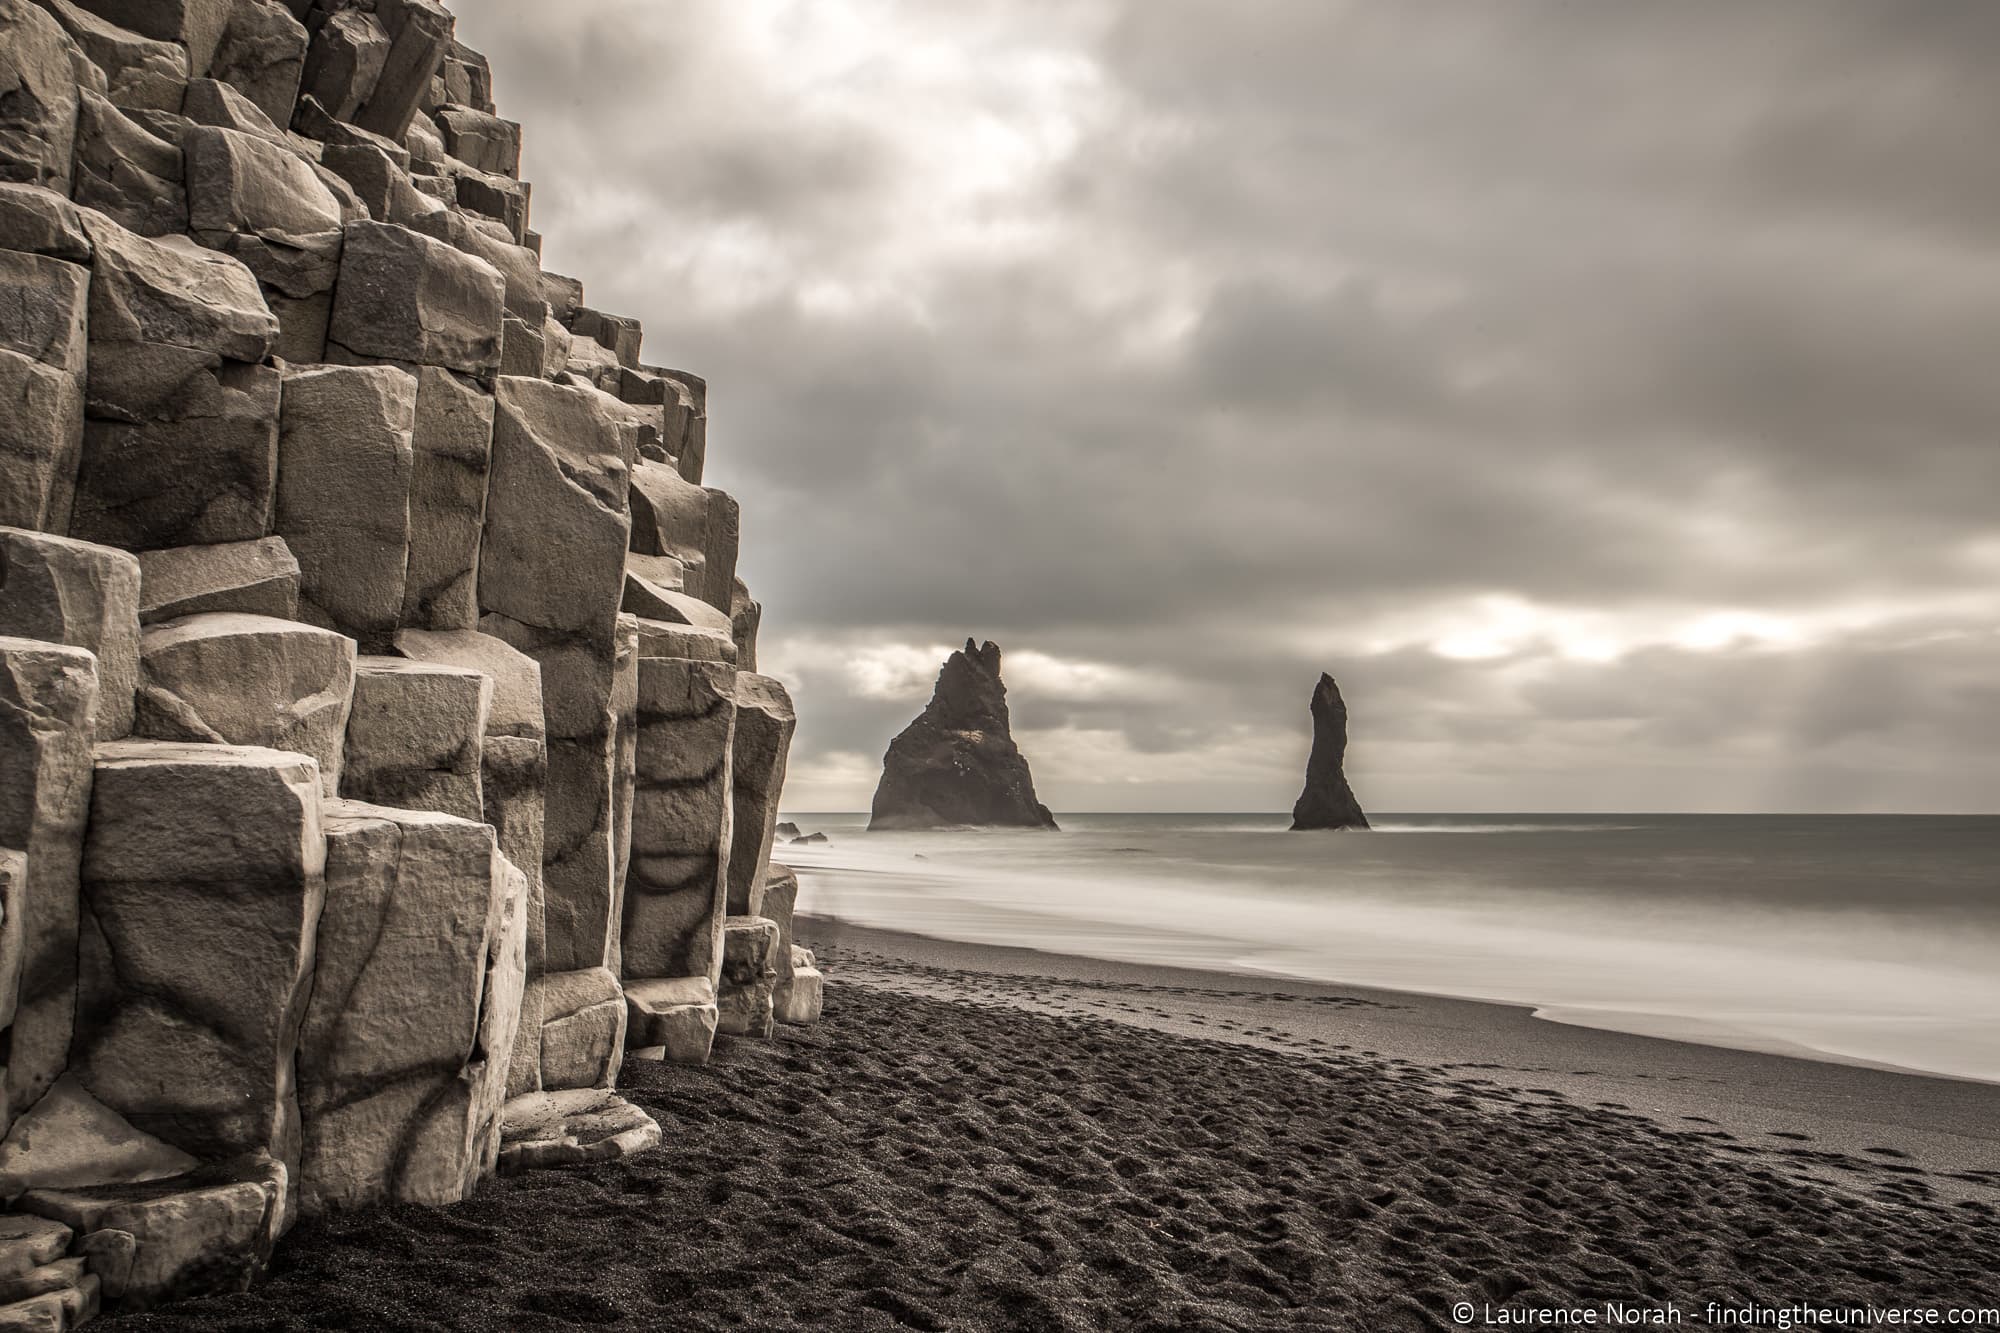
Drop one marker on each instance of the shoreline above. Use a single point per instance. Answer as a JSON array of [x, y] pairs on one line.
[[1648, 932], [1824, 1113]]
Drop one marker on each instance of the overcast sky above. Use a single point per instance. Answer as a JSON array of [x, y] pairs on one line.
[[1608, 395]]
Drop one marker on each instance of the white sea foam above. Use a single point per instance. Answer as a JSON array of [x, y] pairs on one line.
[[1858, 938]]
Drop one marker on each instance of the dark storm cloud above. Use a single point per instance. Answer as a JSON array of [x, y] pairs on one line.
[[1213, 353]]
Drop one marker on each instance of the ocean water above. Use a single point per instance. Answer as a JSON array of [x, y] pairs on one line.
[[1873, 939]]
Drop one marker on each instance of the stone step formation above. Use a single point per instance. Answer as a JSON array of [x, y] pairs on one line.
[[382, 755]]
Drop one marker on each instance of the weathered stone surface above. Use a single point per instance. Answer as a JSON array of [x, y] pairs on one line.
[[453, 442], [146, 382], [13, 913], [69, 1138], [415, 735], [228, 679], [743, 994], [657, 638], [43, 363], [174, 292], [345, 461], [43, 305], [41, 441], [779, 900], [649, 596], [677, 886], [583, 1029], [110, 1254], [48, 697], [523, 347], [481, 140], [503, 1017], [564, 295], [676, 1015], [678, 407], [465, 78], [800, 1000], [554, 541], [39, 221], [63, 1275], [501, 198], [688, 436], [369, 172], [698, 526], [518, 265], [211, 102], [195, 24], [408, 298], [579, 851], [746, 614], [420, 33], [257, 578], [250, 198], [425, 144], [624, 773], [87, 596], [343, 61], [619, 334], [38, 108], [555, 347], [180, 449], [513, 770], [583, 1125], [140, 72], [27, 1242], [957, 764], [262, 54], [764, 724], [411, 206], [55, 1311], [590, 362], [1327, 801], [208, 1231], [556, 519], [524, 1070], [124, 171], [315, 124], [203, 876], [390, 1055]]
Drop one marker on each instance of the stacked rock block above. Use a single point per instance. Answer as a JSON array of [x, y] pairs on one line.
[[381, 751]]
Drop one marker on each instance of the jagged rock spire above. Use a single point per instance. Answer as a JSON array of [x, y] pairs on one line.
[[957, 764], [1327, 801]]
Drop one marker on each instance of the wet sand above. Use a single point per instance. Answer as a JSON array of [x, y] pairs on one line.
[[984, 1138]]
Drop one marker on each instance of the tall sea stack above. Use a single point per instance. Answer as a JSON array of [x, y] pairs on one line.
[[1327, 801], [957, 764]]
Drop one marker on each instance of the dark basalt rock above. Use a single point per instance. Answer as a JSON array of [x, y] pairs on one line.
[[1328, 802], [957, 764]]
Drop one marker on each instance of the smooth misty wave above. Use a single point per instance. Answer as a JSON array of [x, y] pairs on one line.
[[1498, 828], [1865, 939]]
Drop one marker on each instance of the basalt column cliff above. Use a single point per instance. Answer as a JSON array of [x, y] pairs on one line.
[[382, 761], [957, 764]]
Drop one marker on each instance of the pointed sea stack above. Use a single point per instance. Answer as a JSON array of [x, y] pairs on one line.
[[957, 764], [1327, 801]]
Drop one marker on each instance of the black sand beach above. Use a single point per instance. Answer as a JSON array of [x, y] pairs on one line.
[[995, 1139]]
